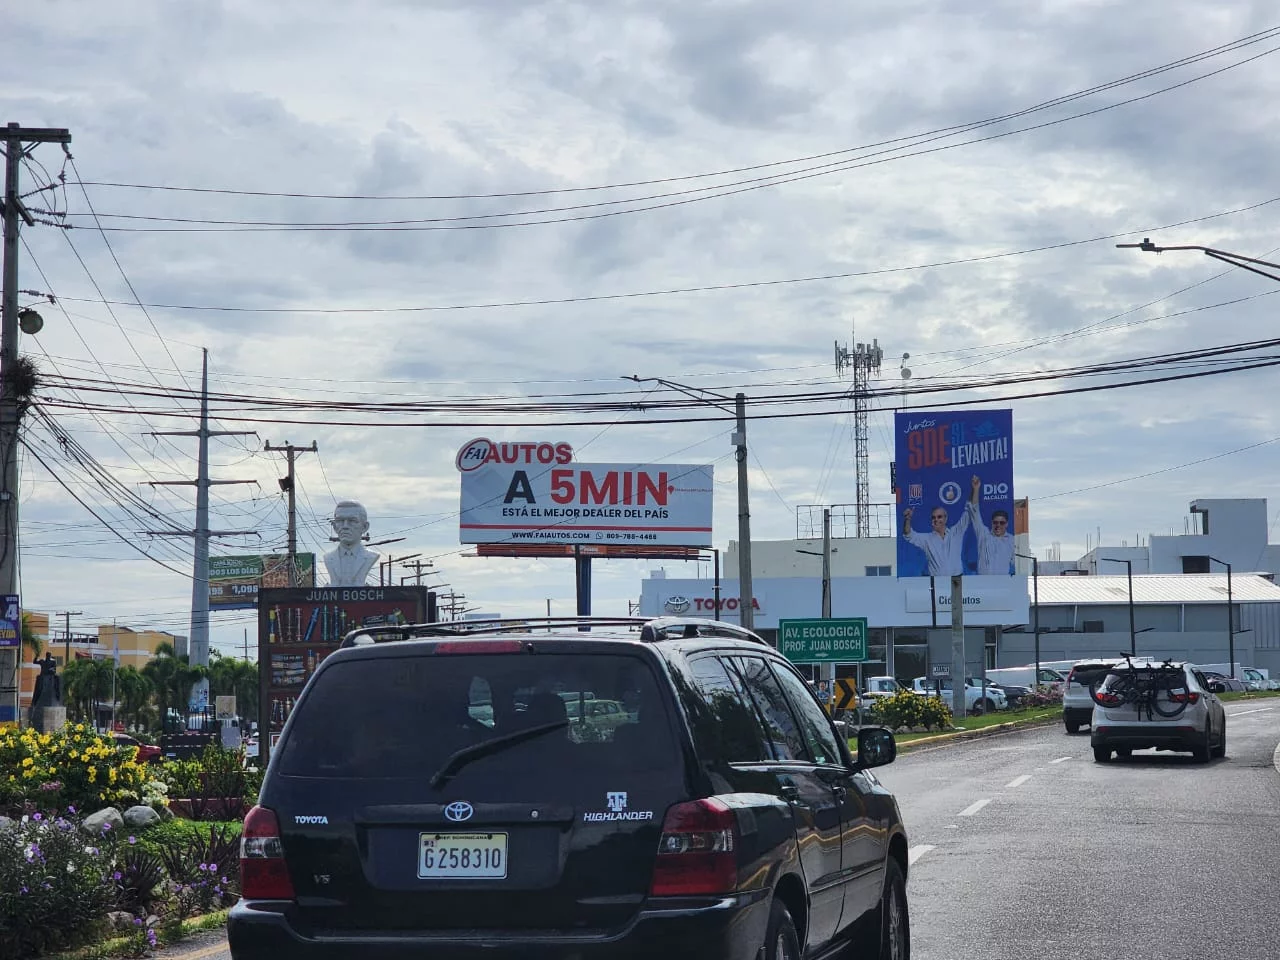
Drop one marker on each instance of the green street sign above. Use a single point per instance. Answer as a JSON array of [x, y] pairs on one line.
[[823, 641]]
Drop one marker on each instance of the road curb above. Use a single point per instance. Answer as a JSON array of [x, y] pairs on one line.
[[962, 735], [1275, 758]]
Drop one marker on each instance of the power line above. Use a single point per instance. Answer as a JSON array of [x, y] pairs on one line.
[[671, 291], [1240, 43]]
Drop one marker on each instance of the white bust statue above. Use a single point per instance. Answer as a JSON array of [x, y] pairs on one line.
[[349, 562]]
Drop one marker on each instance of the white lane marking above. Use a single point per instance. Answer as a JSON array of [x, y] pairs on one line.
[[1060, 760], [915, 853], [973, 808], [956, 826], [1245, 713], [1018, 781]]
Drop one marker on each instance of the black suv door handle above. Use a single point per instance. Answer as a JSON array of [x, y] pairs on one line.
[[840, 791], [789, 791]]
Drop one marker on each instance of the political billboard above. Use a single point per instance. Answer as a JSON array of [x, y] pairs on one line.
[[528, 493], [955, 504]]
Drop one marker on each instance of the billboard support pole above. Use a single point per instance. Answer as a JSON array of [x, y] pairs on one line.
[[746, 610], [957, 648], [288, 486], [582, 580]]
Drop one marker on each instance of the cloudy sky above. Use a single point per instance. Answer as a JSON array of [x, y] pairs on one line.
[[865, 204]]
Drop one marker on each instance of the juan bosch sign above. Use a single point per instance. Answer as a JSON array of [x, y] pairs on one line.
[[536, 493], [823, 641]]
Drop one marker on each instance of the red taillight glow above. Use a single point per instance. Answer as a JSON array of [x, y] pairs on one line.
[[263, 873], [479, 646], [1107, 699], [696, 851], [1184, 696]]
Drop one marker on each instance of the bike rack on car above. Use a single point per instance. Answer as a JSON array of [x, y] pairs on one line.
[[652, 629]]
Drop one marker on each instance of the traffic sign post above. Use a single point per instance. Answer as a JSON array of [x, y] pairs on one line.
[[823, 641]]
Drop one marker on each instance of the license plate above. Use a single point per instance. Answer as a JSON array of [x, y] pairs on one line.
[[462, 856]]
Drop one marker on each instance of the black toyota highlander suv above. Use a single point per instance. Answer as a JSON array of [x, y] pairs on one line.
[[437, 793]]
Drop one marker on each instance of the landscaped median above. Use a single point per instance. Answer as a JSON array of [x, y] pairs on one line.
[[984, 725]]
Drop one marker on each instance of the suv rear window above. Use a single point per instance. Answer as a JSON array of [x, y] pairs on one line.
[[1086, 676], [403, 717]]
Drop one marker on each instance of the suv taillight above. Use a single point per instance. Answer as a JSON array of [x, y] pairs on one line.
[[1106, 698], [696, 851], [1184, 696], [263, 873], [1071, 677]]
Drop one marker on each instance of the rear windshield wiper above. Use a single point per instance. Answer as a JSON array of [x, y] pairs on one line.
[[461, 758]]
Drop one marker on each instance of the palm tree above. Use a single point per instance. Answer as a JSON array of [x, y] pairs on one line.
[[29, 639], [133, 690], [173, 676]]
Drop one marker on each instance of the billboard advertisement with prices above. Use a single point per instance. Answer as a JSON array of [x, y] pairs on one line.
[[526, 500], [955, 504], [234, 581]]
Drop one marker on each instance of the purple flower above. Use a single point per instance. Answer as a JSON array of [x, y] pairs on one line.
[[132, 840], [24, 889], [71, 809], [106, 826], [137, 921], [151, 937], [117, 875], [37, 816]]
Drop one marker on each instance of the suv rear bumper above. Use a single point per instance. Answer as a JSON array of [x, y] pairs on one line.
[[732, 928], [1141, 736]]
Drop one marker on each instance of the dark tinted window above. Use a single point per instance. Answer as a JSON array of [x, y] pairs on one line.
[[724, 723], [783, 738], [402, 717], [813, 719]]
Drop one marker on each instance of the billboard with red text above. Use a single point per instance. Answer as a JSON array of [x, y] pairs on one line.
[[529, 493]]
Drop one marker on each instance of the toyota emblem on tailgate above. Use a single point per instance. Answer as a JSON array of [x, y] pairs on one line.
[[458, 811]]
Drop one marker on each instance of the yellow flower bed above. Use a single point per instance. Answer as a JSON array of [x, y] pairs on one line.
[[74, 766]]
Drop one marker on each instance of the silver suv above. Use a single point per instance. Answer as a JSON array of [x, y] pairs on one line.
[[1077, 705], [1166, 705]]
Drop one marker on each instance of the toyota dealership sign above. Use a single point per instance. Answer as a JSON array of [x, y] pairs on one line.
[[535, 492]]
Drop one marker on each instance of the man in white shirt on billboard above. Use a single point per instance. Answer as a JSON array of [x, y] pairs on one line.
[[942, 546], [995, 545]]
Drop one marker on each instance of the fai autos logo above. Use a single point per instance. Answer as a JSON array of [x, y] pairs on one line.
[[458, 811], [677, 604], [949, 493], [473, 455]]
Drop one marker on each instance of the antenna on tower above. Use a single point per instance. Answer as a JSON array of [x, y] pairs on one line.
[[864, 360]]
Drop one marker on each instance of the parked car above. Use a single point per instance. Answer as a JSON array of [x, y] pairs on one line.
[[146, 752], [1221, 683], [1013, 693], [1264, 682], [1024, 676], [976, 700], [726, 820], [1185, 714], [879, 687]]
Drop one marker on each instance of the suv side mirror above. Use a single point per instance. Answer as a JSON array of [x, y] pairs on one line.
[[876, 747]]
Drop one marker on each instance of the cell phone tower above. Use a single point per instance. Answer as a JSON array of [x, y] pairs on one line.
[[864, 360]]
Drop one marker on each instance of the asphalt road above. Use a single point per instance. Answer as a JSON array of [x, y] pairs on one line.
[[1023, 847]]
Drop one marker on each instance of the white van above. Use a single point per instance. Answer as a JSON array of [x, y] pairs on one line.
[[1023, 676]]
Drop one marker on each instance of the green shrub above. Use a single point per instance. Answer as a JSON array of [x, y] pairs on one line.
[[56, 885], [72, 767], [934, 713], [902, 709]]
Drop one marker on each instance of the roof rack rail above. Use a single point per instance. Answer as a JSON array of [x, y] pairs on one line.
[[362, 636], [652, 629], [671, 628]]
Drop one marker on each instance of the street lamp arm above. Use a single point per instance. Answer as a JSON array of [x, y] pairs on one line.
[[1234, 259], [683, 388]]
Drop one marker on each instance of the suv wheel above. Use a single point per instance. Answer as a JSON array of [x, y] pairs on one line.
[[1221, 749], [892, 940], [1102, 754], [1072, 727], [979, 708], [1203, 751], [781, 942]]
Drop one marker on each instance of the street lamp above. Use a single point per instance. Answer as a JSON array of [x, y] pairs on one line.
[[1231, 620], [1235, 259], [1035, 581], [746, 611], [1133, 634]]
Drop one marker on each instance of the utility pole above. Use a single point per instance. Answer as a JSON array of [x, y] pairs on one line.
[[420, 569], [288, 486], [18, 143], [958, 671], [864, 359], [66, 632], [389, 578], [199, 644], [746, 609]]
